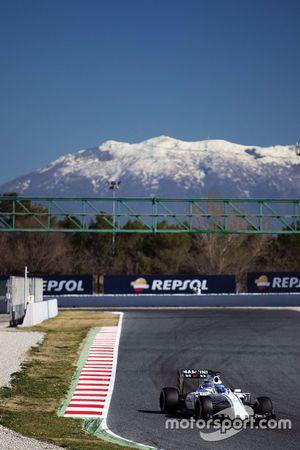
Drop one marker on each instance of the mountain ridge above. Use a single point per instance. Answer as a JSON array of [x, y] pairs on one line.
[[167, 167]]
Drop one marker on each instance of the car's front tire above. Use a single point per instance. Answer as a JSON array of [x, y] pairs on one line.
[[203, 408], [169, 400]]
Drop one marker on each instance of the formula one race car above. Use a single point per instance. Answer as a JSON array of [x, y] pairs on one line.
[[202, 394]]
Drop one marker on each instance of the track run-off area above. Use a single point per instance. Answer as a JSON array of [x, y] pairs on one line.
[[256, 350]]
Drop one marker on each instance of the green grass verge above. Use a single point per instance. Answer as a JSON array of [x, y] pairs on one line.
[[30, 405]]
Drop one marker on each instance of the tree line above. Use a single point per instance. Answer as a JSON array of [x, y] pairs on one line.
[[141, 253]]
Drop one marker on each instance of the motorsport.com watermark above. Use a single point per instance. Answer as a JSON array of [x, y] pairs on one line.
[[219, 428]]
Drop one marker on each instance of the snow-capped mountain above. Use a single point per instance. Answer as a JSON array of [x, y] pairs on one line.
[[167, 167]]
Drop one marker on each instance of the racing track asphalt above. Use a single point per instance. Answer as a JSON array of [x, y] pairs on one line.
[[257, 351]]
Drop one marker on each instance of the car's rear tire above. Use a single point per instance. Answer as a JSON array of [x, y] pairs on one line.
[[169, 400], [264, 406], [203, 408]]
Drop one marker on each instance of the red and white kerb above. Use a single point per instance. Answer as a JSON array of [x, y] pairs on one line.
[[90, 398]]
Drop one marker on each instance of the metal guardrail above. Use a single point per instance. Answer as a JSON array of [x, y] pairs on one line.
[[149, 215]]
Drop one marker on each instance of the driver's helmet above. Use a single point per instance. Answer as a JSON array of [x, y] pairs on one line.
[[220, 388]]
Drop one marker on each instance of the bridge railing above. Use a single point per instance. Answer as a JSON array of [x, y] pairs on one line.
[[149, 215]]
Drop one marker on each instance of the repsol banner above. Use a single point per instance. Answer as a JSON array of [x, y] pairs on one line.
[[273, 282], [67, 284], [155, 284]]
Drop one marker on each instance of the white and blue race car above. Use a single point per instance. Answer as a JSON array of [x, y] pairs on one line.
[[203, 394]]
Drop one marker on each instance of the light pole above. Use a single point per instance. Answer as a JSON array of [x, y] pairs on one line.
[[25, 287], [114, 186]]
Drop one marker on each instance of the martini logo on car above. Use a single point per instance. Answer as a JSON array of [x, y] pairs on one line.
[[262, 283], [191, 373], [139, 285]]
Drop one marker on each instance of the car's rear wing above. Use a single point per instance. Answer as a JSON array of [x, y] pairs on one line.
[[193, 374]]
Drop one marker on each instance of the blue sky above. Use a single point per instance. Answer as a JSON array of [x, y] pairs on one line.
[[75, 73]]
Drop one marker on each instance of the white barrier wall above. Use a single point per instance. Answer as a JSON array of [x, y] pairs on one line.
[[38, 312], [36, 288], [21, 290]]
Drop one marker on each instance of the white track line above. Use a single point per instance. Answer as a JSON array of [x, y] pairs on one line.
[[104, 425]]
